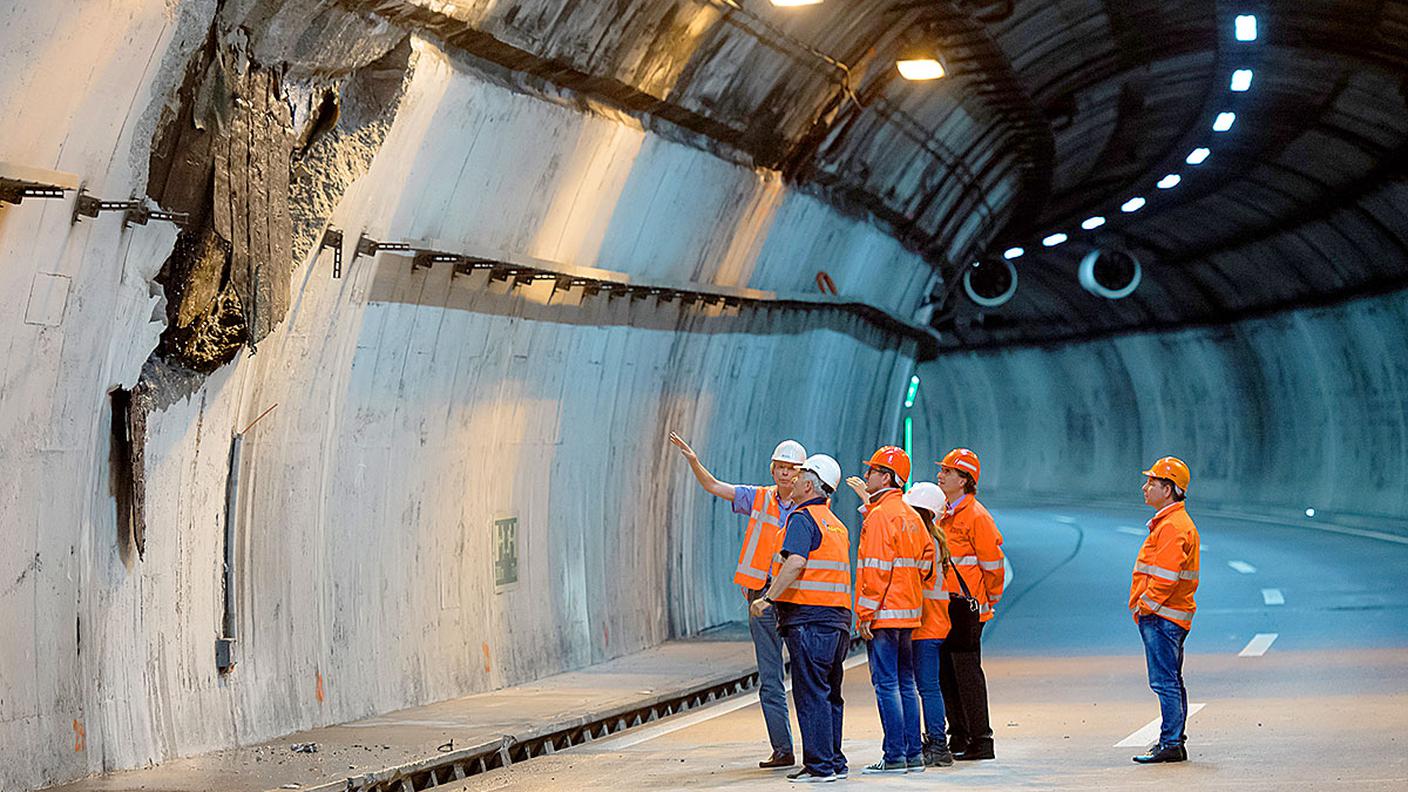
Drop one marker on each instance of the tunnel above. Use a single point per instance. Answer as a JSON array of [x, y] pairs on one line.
[[344, 341]]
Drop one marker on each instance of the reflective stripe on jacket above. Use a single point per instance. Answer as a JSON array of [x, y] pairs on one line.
[[761, 541], [976, 545], [1166, 571], [826, 579], [894, 560]]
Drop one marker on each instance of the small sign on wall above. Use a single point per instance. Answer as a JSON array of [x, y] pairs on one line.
[[505, 552]]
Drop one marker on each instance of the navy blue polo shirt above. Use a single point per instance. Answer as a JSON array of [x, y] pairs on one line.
[[802, 536]]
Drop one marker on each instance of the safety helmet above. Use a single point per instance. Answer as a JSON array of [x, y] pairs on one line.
[[1173, 469], [825, 468], [964, 460], [927, 495], [893, 459], [789, 451]]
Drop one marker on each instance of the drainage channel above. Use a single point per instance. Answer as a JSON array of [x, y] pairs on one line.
[[459, 765]]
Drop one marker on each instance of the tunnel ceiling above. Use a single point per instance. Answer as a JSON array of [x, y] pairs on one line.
[[1052, 112]]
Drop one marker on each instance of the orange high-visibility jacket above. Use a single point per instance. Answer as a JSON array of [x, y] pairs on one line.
[[826, 579], [761, 541], [895, 559], [934, 624], [976, 545], [1166, 571]]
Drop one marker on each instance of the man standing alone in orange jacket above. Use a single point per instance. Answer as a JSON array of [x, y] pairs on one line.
[[894, 560], [1161, 600]]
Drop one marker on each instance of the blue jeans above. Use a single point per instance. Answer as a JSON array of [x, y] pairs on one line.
[[892, 673], [817, 653], [1163, 652], [926, 678], [767, 646]]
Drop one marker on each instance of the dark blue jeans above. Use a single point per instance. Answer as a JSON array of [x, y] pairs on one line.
[[818, 652], [767, 647], [1163, 652], [892, 674], [926, 678]]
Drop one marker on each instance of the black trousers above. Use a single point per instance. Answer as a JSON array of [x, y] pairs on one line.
[[965, 691]]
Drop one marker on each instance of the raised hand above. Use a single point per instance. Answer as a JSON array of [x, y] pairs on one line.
[[683, 446], [858, 485]]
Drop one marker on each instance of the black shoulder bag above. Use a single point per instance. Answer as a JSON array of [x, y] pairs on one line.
[[964, 626]]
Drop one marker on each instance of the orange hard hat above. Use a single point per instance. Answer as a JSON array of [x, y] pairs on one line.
[[1173, 469], [964, 460], [893, 459]]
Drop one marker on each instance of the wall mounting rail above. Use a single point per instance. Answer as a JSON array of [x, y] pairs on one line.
[[521, 270], [18, 182]]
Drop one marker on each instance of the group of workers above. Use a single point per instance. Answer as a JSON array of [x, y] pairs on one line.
[[929, 572]]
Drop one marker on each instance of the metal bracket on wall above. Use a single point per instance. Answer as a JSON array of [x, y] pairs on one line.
[[332, 238], [134, 210], [366, 246], [18, 182]]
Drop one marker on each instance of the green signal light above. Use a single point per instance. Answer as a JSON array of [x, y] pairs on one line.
[[908, 444], [913, 391]]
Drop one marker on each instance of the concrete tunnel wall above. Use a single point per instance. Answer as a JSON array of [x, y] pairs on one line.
[[1303, 409], [408, 411]]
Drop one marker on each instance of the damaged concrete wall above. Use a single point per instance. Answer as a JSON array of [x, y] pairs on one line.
[[408, 412]]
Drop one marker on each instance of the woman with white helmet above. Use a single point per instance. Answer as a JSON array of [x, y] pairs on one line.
[[927, 499]]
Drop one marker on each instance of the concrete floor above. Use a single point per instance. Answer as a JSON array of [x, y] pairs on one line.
[[1325, 706]]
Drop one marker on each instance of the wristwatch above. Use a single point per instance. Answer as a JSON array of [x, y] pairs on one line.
[[768, 600]]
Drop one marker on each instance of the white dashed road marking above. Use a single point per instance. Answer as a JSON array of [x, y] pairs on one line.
[[1149, 733], [1062, 518], [1273, 597], [1258, 645], [1242, 566]]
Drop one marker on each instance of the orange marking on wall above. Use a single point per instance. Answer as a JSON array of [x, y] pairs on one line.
[[487, 664], [80, 736], [319, 690]]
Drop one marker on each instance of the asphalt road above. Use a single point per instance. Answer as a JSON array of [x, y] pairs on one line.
[[1298, 656]]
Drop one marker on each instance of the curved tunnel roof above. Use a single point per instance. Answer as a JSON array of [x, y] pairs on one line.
[[1052, 112]]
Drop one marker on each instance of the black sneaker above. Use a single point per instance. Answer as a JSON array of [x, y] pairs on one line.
[[914, 764], [936, 754], [805, 776], [1165, 753], [883, 766], [976, 750], [778, 760]]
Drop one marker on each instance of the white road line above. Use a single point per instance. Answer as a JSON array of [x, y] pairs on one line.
[[1273, 597], [1258, 645], [1149, 732], [1242, 566], [1064, 518], [1132, 531], [685, 721]]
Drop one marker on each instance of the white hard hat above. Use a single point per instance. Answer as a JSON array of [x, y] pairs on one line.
[[825, 468], [927, 495], [789, 451]]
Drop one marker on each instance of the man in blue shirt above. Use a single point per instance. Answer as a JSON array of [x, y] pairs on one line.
[[811, 593]]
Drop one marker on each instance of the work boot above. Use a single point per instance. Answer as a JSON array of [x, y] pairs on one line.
[[778, 760], [936, 754], [977, 749], [957, 745], [1163, 753]]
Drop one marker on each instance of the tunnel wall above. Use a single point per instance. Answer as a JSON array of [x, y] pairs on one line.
[[1297, 410], [402, 412]]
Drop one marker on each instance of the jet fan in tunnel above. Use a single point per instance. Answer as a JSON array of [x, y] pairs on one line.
[[1110, 273], [990, 282]]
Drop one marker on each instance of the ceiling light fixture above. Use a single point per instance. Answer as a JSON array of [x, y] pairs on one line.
[[1055, 239], [794, 3], [1092, 223], [1170, 181], [1133, 204], [1198, 155], [1012, 253], [1245, 26], [1241, 80], [1224, 122], [919, 69]]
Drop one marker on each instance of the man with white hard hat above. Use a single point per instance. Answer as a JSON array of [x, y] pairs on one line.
[[767, 509], [811, 594]]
